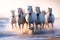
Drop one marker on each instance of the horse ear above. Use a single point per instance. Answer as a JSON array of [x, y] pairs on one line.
[[29, 7], [13, 12], [38, 9], [50, 10], [19, 9]]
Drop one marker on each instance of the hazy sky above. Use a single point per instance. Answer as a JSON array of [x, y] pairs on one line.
[[7, 5]]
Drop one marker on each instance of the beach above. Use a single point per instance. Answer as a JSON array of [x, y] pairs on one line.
[[7, 34], [56, 38]]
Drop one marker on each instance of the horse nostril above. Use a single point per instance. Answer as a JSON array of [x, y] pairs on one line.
[[13, 16], [37, 14], [29, 13], [19, 16]]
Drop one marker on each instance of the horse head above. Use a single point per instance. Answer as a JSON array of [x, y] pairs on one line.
[[37, 9], [13, 12], [50, 10], [30, 10]]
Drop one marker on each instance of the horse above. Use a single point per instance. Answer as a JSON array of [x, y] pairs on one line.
[[30, 18], [46, 16], [21, 18], [13, 19], [40, 17], [51, 17]]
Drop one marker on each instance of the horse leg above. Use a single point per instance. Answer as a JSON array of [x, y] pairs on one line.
[[41, 26], [22, 25], [15, 25], [19, 26], [35, 27], [51, 26], [48, 25], [12, 25], [29, 26]]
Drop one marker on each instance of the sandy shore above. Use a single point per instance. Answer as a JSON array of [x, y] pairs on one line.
[[55, 38]]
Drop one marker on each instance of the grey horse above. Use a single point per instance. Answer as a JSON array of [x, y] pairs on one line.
[[51, 17], [40, 17], [13, 19], [31, 18], [21, 18]]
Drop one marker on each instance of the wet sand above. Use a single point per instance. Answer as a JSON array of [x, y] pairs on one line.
[[55, 38], [8, 34]]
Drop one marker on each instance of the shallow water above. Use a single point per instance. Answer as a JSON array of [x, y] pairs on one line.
[[7, 34]]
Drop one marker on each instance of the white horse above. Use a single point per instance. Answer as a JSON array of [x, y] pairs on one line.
[[40, 17], [30, 17], [51, 17], [46, 16], [13, 19], [21, 19]]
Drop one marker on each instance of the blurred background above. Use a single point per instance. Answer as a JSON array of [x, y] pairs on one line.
[[7, 5]]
